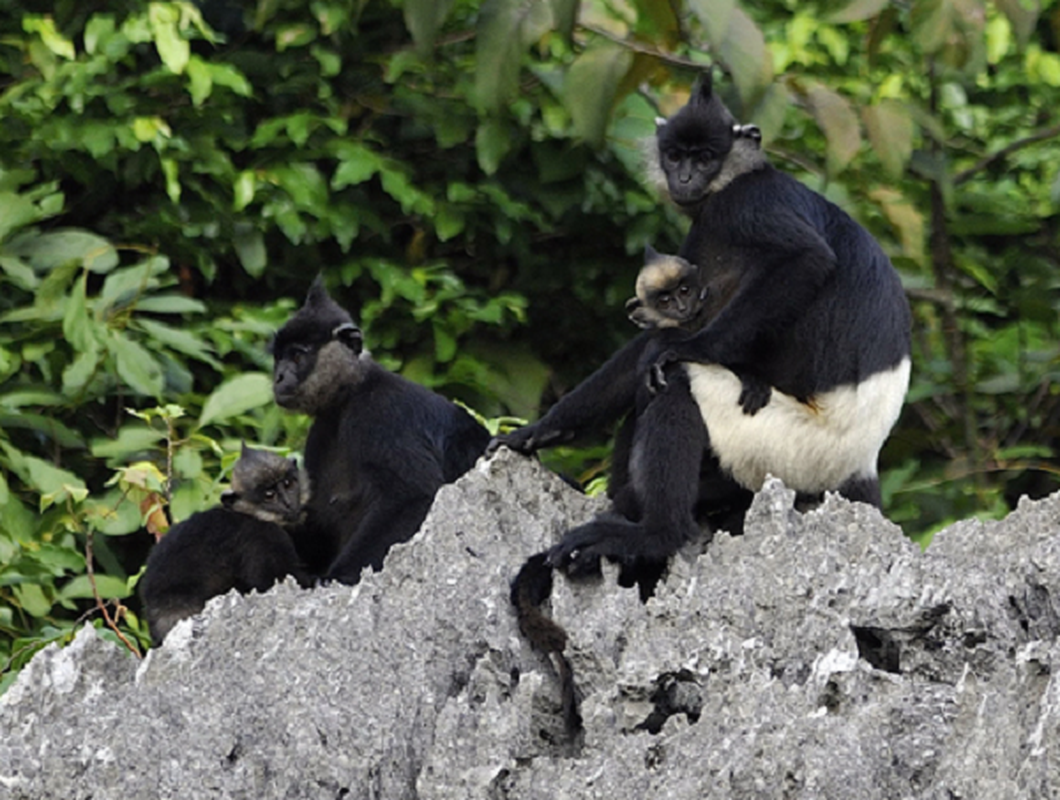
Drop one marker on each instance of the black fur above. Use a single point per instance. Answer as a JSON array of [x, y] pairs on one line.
[[672, 292], [803, 300], [235, 546], [379, 448]]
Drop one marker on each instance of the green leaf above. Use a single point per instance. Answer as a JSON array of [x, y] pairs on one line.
[[743, 49], [16, 211], [137, 368], [81, 370], [506, 28], [857, 11], [46, 251], [127, 285], [932, 22], [890, 128], [44, 477], [131, 439], [173, 49], [170, 304], [236, 396], [840, 125], [45, 28], [200, 84], [565, 16], [424, 18], [250, 247], [171, 171], [181, 341], [31, 599], [591, 88], [492, 143], [77, 327], [109, 587], [357, 163], [715, 16], [1023, 14]]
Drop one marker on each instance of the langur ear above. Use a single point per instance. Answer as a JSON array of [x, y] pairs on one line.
[[350, 335]]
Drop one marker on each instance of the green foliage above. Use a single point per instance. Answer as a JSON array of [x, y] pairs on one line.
[[468, 175]]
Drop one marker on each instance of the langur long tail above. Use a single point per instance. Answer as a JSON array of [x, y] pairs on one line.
[[532, 587]]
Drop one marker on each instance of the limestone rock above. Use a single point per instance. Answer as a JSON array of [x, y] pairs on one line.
[[821, 655]]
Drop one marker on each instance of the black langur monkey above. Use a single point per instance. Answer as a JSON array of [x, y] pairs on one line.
[[379, 447], [807, 302], [241, 544]]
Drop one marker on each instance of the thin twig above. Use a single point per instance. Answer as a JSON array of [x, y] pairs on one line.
[[986, 161], [111, 623], [636, 47]]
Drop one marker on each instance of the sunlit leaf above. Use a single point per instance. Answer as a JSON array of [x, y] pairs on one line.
[[857, 11], [1023, 14], [840, 125], [743, 48], [172, 47], [890, 129], [906, 218], [50, 35], [237, 396], [715, 16]]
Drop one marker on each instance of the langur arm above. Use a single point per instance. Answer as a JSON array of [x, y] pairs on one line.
[[596, 402], [794, 262]]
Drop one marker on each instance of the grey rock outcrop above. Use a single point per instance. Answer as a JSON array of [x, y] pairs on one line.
[[821, 655]]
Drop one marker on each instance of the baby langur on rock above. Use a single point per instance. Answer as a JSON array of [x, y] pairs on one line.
[[241, 544]]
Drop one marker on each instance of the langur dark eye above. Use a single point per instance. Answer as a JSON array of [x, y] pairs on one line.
[[270, 494], [672, 157], [684, 290], [704, 158], [288, 482], [664, 300]]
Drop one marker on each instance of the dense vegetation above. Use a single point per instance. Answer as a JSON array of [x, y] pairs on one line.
[[468, 176]]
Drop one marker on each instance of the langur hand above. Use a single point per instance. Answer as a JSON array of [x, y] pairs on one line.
[[527, 440], [656, 379], [754, 395]]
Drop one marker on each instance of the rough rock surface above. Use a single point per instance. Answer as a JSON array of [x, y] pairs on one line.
[[819, 656]]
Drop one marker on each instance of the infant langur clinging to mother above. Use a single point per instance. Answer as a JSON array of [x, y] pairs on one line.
[[672, 292]]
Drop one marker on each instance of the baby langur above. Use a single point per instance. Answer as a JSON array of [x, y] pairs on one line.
[[241, 544], [670, 294]]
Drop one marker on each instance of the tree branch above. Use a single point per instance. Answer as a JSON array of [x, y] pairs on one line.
[[644, 49], [1019, 144]]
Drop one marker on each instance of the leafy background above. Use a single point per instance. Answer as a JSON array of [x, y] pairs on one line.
[[468, 175]]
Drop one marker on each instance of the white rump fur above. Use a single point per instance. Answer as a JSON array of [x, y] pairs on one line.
[[810, 448]]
